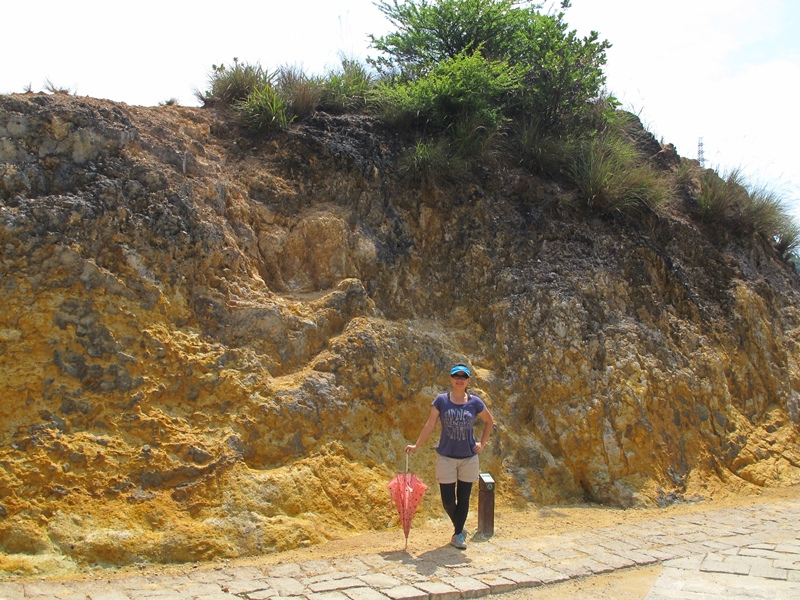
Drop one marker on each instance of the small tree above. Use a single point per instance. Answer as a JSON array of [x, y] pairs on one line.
[[466, 87], [429, 33], [562, 72]]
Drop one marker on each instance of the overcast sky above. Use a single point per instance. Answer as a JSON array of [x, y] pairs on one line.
[[724, 70]]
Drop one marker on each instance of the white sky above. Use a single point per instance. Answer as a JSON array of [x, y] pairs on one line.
[[724, 70]]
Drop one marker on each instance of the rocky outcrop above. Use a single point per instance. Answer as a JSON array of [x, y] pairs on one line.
[[214, 345]]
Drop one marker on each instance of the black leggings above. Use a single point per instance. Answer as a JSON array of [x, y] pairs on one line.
[[455, 501]]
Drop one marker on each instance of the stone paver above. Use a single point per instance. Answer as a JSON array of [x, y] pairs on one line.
[[364, 593], [497, 584], [468, 586], [737, 553], [405, 592]]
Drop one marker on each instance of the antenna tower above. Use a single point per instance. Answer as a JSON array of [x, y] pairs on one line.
[[700, 158]]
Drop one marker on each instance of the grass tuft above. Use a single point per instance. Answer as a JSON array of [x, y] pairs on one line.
[[347, 88], [611, 175], [535, 149], [264, 109], [229, 85], [729, 201], [434, 163], [52, 88], [302, 93]]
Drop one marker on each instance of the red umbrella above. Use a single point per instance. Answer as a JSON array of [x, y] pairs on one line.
[[407, 491]]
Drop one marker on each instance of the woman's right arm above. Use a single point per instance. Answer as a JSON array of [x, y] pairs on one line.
[[426, 432]]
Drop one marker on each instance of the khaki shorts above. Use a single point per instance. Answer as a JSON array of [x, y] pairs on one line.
[[448, 470]]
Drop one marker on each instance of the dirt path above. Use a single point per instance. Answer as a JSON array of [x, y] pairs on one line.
[[529, 522]]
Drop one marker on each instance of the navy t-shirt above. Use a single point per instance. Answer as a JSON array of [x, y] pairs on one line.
[[458, 420]]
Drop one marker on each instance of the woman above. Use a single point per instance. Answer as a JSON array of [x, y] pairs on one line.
[[457, 465]]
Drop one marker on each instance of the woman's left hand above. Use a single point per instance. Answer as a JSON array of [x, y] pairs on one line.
[[478, 447]]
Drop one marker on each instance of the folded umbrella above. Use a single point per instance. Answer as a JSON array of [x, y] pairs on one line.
[[407, 491]]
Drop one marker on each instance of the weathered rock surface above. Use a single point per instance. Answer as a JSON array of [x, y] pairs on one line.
[[214, 346]]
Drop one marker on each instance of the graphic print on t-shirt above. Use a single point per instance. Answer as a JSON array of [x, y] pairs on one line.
[[457, 423]]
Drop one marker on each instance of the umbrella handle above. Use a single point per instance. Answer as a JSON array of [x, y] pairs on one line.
[[406, 462]]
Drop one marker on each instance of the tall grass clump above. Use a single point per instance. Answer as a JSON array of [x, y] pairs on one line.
[[787, 238], [766, 214], [433, 162], [720, 198], [263, 100], [793, 259], [472, 140], [729, 201], [611, 175], [535, 148], [301, 92], [347, 88], [228, 85], [264, 109]]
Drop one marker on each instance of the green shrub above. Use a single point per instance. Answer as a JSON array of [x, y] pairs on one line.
[[564, 78], [394, 104], [563, 73], [466, 87], [429, 33], [457, 104], [229, 85]]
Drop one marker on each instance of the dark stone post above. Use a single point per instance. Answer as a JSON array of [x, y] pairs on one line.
[[486, 504]]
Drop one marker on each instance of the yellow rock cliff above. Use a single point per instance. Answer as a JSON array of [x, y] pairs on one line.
[[215, 346]]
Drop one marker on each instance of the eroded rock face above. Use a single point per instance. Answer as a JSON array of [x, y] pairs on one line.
[[213, 346]]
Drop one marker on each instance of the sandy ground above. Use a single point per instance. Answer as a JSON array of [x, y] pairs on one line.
[[530, 522]]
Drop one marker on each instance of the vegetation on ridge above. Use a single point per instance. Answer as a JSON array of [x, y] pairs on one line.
[[478, 82]]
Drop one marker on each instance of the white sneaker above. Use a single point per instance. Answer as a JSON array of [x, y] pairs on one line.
[[458, 541]]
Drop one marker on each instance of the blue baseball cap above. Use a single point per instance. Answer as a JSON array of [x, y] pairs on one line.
[[460, 368]]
